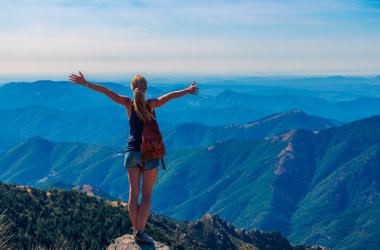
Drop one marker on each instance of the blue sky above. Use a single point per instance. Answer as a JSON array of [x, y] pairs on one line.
[[190, 37]]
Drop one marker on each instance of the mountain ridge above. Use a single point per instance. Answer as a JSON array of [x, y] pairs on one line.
[[195, 134], [297, 179], [107, 222]]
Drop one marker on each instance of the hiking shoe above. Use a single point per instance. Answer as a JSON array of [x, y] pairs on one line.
[[142, 237], [134, 235]]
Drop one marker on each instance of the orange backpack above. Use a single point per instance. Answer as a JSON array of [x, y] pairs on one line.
[[152, 145]]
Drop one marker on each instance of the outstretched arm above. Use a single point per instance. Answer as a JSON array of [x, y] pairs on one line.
[[192, 89], [123, 100]]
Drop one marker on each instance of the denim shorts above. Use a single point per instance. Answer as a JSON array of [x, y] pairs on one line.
[[133, 159]]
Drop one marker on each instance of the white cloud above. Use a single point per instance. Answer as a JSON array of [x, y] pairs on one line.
[[194, 36]]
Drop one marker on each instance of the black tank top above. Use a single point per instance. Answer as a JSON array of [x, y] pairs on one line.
[[135, 131]]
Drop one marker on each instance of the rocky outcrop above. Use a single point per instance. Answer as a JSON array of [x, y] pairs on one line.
[[127, 242]]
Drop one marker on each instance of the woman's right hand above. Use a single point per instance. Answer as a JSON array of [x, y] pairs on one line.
[[78, 79], [193, 88]]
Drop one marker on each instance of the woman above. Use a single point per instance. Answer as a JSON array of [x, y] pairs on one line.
[[139, 111]]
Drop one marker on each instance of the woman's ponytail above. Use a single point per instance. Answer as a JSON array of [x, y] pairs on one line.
[[139, 86]]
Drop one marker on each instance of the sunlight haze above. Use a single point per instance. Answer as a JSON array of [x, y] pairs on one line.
[[190, 37]]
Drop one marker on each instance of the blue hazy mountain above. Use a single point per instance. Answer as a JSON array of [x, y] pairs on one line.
[[53, 160], [311, 186], [195, 134], [61, 111], [296, 183], [58, 95], [317, 96], [99, 125], [39, 161], [293, 183]]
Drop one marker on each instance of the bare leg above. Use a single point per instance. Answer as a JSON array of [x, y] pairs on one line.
[[134, 190], [149, 178]]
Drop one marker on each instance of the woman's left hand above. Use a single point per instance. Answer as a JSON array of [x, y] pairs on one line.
[[78, 79], [193, 88]]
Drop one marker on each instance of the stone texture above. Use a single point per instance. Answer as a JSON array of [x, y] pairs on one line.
[[127, 242]]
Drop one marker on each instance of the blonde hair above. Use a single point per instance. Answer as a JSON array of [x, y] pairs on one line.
[[139, 86]]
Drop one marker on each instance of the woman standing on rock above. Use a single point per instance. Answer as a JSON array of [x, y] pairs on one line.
[[140, 111]]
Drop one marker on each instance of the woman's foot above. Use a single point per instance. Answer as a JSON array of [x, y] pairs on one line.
[[142, 237]]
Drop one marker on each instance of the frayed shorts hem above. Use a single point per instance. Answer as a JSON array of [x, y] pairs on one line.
[[133, 159]]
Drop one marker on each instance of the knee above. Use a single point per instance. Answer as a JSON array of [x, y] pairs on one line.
[[146, 196], [133, 196]]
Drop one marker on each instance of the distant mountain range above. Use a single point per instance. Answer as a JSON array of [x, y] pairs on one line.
[[109, 126], [345, 110], [26, 107], [305, 175], [306, 184], [195, 134], [60, 95], [38, 161], [315, 187], [98, 125]]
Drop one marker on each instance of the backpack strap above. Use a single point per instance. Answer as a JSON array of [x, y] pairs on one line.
[[151, 110], [143, 160], [143, 164], [163, 163]]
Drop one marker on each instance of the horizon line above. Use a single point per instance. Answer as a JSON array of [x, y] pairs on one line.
[[117, 78]]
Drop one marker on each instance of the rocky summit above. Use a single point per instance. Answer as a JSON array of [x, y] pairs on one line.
[[127, 242]]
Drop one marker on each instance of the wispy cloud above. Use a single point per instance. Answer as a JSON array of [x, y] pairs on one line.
[[188, 36]]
